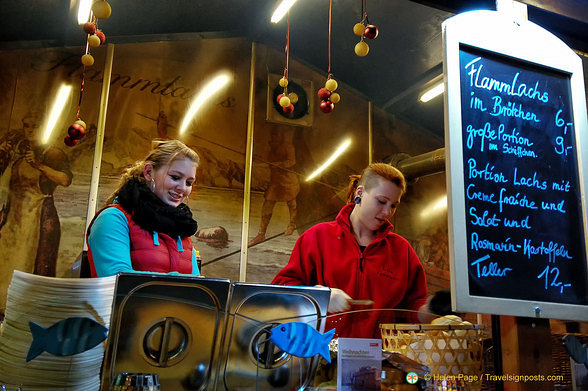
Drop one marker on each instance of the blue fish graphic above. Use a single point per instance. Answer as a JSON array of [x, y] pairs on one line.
[[67, 337], [302, 340]]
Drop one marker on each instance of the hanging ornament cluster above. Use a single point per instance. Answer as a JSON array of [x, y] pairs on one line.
[[100, 10], [364, 30], [75, 132], [327, 95], [95, 37], [287, 100]]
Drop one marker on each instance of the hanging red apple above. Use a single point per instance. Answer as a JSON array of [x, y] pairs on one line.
[[101, 35], [76, 131], [69, 141], [371, 31], [288, 109], [89, 28], [323, 94], [327, 106]]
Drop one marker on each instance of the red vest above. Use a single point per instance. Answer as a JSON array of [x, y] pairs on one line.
[[159, 253]]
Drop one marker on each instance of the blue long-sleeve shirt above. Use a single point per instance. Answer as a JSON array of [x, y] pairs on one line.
[[110, 242]]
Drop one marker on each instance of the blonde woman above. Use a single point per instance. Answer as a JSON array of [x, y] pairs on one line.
[[146, 226]]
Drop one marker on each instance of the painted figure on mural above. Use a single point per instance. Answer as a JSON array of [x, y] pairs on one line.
[[283, 184], [30, 230], [162, 125]]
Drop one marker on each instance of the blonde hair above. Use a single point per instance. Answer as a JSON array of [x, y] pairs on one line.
[[371, 176], [163, 153]]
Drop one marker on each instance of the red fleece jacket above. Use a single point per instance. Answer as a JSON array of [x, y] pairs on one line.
[[388, 272]]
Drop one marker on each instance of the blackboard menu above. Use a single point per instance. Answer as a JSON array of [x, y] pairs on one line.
[[524, 224]]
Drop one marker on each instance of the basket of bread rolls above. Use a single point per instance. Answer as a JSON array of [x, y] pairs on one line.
[[450, 347]]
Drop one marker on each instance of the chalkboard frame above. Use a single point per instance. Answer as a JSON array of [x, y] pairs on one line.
[[525, 41]]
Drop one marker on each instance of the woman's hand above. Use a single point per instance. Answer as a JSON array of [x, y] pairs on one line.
[[339, 301]]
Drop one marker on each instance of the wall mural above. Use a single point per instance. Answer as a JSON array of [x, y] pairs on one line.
[[44, 186], [36, 176]]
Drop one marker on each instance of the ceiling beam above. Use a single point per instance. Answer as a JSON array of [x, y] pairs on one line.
[[458, 6], [568, 19], [573, 9]]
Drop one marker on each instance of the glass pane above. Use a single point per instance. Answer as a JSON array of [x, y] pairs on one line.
[[153, 87], [287, 149]]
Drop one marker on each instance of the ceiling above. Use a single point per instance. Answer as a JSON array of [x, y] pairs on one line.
[[406, 55]]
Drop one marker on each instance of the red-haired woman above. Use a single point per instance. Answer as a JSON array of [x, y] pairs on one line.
[[360, 258]]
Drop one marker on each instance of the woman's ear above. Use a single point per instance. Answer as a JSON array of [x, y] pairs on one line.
[[148, 172], [359, 191]]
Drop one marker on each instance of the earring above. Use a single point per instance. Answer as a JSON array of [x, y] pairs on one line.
[[357, 200], [153, 185]]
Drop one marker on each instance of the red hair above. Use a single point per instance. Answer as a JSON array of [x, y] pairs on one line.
[[371, 176]]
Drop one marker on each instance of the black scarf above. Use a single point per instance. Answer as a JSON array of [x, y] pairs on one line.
[[152, 214]]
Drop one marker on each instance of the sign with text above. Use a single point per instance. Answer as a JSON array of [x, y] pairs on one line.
[[522, 196], [359, 364], [517, 211]]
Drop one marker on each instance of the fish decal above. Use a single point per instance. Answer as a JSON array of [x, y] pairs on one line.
[[302, 340], [67, 337]]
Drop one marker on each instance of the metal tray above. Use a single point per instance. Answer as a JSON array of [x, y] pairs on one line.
[[209, 334], [250, 360], [167, 325]]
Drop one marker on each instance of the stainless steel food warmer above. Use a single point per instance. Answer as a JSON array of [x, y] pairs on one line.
[[209, 334]]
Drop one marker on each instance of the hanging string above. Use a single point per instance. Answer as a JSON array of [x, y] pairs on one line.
[[94, 20], [364, 10], [81, 93], [287, 48], [330, 16], [326, 94]]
